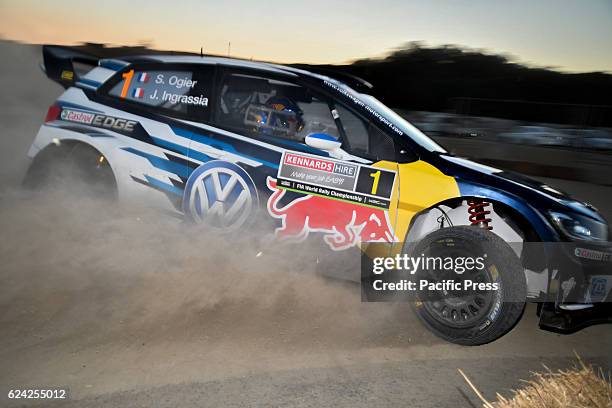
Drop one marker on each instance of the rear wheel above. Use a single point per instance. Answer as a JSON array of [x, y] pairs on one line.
[[471, 317], [72, 168]]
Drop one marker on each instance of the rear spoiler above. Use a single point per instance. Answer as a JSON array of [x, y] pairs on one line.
[[65, 65]]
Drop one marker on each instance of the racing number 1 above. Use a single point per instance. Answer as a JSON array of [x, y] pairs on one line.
[[126, 85], [375, 182], [376, 177]]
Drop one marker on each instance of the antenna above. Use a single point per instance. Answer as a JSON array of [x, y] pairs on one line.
[[201, 51], [229, 48]]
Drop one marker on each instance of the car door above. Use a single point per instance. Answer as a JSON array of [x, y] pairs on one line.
[[337, 196]]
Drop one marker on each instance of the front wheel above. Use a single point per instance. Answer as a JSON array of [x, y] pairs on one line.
[[471, 317]]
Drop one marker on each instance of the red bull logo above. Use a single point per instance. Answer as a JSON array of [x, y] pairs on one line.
[[344, 224]]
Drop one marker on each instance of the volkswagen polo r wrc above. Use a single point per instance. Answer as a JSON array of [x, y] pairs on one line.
[[220, 141]]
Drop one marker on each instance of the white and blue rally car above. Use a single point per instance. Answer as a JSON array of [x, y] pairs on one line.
[[221, 141]]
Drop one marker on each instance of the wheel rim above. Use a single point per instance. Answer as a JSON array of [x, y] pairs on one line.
[[459, 309]]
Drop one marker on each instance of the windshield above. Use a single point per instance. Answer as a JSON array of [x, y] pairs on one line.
[[412, 132]]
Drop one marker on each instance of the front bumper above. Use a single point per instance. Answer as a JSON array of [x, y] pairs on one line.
[[580, 287], [566, 321]]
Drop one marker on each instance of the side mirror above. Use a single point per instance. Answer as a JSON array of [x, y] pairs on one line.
[[322, 141]]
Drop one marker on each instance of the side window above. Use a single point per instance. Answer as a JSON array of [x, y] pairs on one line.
[[259, 107], [364, 139], [184, 92]]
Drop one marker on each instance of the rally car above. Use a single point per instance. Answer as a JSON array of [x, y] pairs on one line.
[[224, 141]]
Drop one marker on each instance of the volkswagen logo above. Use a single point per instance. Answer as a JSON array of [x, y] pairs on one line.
[[220, 194]]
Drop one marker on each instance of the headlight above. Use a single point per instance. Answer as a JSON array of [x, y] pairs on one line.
[[578, 227]]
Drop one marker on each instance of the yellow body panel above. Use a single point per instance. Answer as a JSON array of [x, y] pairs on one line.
[[419, 185]]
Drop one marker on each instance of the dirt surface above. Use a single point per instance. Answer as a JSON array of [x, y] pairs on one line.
[[129, 308], [125, 307]]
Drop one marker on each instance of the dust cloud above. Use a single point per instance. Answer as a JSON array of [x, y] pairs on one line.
[[74, 265]]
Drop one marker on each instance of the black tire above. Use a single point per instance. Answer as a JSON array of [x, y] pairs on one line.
[[473, 318], [73, 168]]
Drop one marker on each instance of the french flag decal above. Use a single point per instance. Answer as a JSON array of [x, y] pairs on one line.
[[144, 77], [138, 93]]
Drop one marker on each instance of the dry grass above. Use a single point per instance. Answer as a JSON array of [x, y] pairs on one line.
[[578, 387]]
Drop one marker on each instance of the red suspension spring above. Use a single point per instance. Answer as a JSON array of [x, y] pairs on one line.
[[479, 213]]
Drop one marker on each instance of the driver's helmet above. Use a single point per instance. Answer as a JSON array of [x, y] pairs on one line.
[[279, 116]]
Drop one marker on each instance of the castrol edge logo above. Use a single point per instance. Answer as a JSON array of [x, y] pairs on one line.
[[98, 120], [77, 116]]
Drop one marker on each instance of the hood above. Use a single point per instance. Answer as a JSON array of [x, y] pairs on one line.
[[535, 193]]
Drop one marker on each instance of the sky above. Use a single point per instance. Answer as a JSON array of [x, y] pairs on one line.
[[569, 35]]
